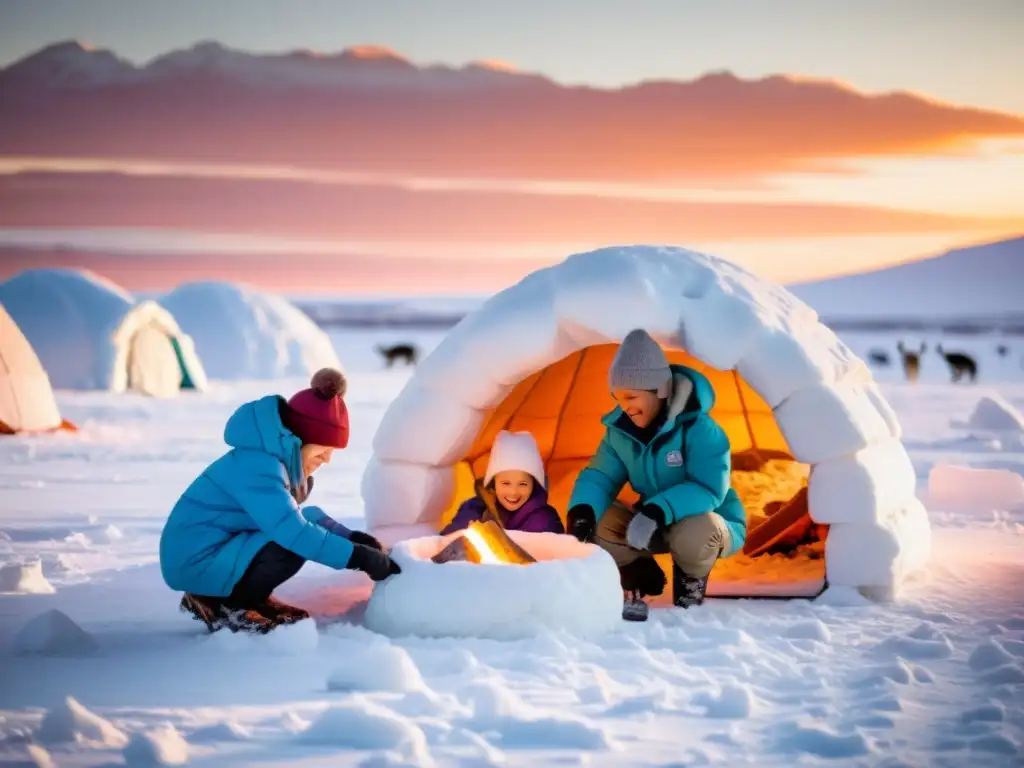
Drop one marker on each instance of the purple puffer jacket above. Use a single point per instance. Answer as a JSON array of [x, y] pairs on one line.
[[535, 516]]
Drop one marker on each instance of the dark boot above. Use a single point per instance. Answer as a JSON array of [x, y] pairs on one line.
[[633, 607], [282, 612], [204, 609], [687, 591]]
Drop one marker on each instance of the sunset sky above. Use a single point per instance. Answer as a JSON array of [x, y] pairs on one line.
[[819, 172]]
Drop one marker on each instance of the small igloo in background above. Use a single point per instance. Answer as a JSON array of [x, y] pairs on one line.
[[810, 429], [89, 333], [243, 333]]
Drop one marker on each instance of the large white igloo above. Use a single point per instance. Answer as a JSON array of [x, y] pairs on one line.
[[89, 333], [244, 333], [794, 389]]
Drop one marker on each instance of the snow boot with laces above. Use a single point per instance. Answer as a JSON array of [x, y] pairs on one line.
[[687, 591], [204, 609], [280, 612]]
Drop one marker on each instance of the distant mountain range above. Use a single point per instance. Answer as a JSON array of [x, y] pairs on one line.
[[967, 284], [369, 109]]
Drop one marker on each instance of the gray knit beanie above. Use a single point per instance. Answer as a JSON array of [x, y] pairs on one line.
[[640, 363]]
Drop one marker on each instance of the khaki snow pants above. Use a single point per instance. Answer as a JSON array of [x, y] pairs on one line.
[[695, 542]]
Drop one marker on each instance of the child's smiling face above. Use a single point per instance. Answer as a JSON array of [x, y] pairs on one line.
[[512, 488]]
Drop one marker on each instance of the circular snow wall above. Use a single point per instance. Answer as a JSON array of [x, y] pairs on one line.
[[810, 396], [572, 587]]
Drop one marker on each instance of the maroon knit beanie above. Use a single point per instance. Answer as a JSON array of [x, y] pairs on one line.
[[318, 414]]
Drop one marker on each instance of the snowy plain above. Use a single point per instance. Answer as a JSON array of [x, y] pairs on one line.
[[934, 678]]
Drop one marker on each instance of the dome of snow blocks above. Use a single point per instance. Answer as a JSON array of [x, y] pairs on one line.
[[573, 587], [535, 357], [89, 333], [241, 332]]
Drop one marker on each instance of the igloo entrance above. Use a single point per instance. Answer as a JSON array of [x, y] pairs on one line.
[[562, 404]]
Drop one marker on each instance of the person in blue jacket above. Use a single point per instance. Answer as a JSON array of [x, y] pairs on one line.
[[238, 531], [662, 441]]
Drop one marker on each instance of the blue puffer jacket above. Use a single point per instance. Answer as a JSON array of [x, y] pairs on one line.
[[240, 503], [684, 470]]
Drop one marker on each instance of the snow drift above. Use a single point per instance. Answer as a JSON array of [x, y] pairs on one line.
[[822, 397], [88, 333], [243, 333]]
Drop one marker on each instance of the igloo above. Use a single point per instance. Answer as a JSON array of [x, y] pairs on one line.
[[804, 416], [89, 333], [243, 333]]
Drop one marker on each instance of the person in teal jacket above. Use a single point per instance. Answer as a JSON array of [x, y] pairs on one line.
[[662, 441], [238, 531]]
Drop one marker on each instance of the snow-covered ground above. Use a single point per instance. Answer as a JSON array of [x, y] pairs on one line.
[[936, 678]]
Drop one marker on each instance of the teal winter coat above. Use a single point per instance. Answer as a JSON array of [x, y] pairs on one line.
[[684, 470], [240, 503]]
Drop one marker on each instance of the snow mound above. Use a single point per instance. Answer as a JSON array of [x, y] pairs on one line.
[[377, 668], [228, 730], [988, 655], [25, 579], [993, 413], [243, 333], [363, 724], [966, 489], [497, 709], [53, 634], [71, 722], [161, 746], [573, 587], [732, 701], [296, 639]]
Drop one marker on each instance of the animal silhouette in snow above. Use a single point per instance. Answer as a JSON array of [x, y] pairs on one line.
[[404, 352], [911, 361], [879, 357], [960, 364]]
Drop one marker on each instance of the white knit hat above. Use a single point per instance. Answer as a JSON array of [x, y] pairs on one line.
[[515, 451]]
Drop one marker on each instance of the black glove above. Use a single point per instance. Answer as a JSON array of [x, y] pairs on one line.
[[582, 522], [374, 563], [652, 511], [362, 537]]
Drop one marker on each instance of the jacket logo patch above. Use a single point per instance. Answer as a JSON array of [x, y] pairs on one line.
[[674, 458]]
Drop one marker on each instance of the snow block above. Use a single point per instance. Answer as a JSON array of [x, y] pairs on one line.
[[993, 413], [865, 487], [53, 634], [162, 746], [377, 668], [390, 535], [824, 422], [953, 488], [71, 722], [390, 489], [718, 329], [573, 587], [25, 579], [882, 555], [422, 427]]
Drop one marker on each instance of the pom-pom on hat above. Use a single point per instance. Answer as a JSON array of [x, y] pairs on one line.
[[318, 414]]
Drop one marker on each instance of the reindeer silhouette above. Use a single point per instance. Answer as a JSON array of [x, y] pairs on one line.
[[959, 364], [405, 352], [911, 361]]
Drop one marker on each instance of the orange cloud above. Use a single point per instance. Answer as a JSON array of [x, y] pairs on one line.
[[511, 126], [382, 213]]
